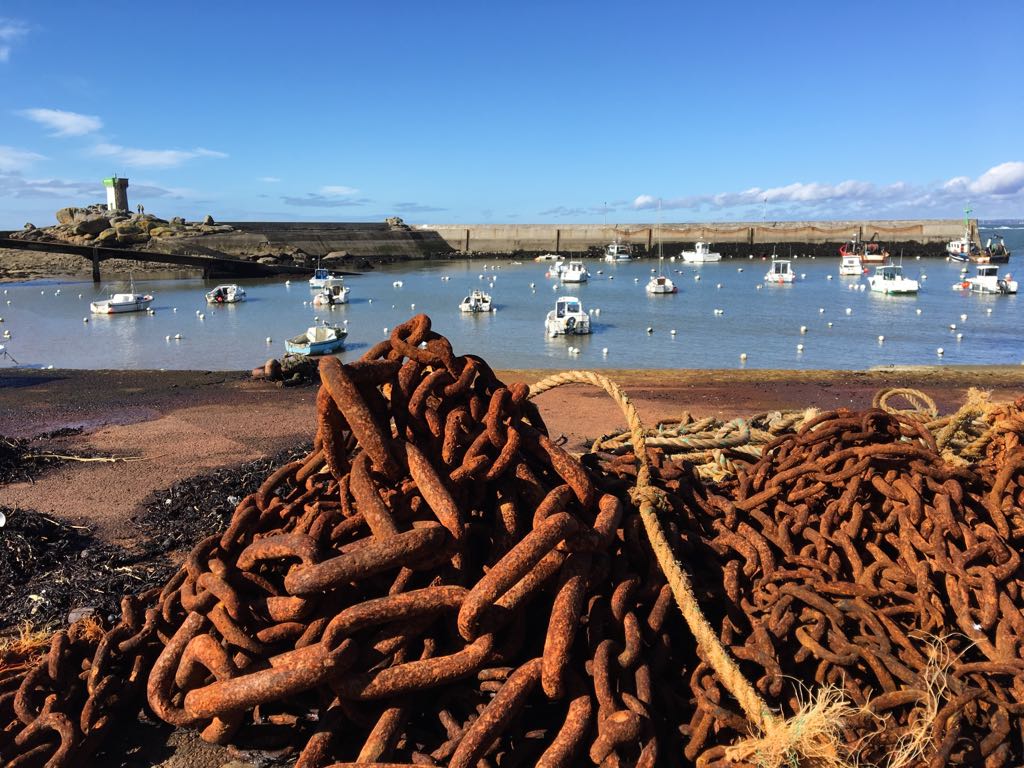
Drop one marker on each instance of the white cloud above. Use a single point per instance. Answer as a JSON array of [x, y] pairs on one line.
[[993, 187], [10, 31], [270, 179], [63, 123], [338, 190], [1003, 179], [12, 159], [152, 158]]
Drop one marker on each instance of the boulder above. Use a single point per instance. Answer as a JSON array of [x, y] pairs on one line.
[[106, 235], [267, 260], [29, 226], [162, 232], [92, 225], [128, 228], [67, 215], [208, 219], [133, 239], [179, 220]]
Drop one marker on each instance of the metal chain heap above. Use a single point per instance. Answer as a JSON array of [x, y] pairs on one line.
[[439, 583]]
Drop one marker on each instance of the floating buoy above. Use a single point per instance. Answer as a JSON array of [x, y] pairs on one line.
[[739, 269], [803, 275], [533, 285], [803, 329], [719, 311], [269, 340], [177, 337], [918, 311], [940, 351], [830, 325], [743, 355], [963, 318], [399, 283], [987, 312], [597, 311], [718, 286], [604, 351], [650, 330], [385, 330], [174, 309], [672, 332], [952, 326], [849, 311], [202, 317], [959, 336], [697, 278], [881, 339], [79, 295], [412, 306], [799, 347], [369, 301], [85, 319], [197, 313], [167, 338], [821, 310]]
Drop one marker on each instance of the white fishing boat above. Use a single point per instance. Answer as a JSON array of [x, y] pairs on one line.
[[617, 252], [987, 280], [963, 248], [334, 292], [575, 272], [547, 257], [556, 269], [701, 254], [317, 340], [889, 279], [226, 294], [477, 301], [567, 318], [121, 302], [780, 272], [850, 266], [323, 277]]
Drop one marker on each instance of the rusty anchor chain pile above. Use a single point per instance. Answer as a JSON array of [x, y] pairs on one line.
[[852, 555], [438, 583]]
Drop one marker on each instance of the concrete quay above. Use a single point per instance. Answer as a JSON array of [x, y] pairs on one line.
[[579, 238]]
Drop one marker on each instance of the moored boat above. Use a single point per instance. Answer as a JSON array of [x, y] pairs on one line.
[[226, 294], [333, 292], [659, 284], [317, 340], [850, 265], [617, 252], [868, 253], [889, 279], [575, 272], [781, 271], [701, 254], [477, 301], [121, 302], [987, 280], [567, 318], [963, 248], [323, 277], [992, 253]]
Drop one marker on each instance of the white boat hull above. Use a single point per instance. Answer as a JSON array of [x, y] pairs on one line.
[[110, 307], [893, 287]]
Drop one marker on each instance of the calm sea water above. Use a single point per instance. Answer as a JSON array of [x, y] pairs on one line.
[[759, 320]]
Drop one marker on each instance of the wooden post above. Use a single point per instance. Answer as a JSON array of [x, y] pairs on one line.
[[466, 249], [558, 240], [95, 265], [650, 239]]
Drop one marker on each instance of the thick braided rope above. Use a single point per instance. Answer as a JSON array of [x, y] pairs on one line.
[[649, 499], [923, 407]]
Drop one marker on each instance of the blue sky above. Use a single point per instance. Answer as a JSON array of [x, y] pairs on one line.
[[514, 112]]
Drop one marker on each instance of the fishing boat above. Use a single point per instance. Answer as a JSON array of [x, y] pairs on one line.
[[333, 292], [567, 318], [121, 302], [547, 257], [317, 340], [992, 253], [226, 294], [556, 269], [575, 272], [889, 279], [780, 272], [477, 301], [701, 254], [322, 277], [963, 248], [617, 252], [850, 266], [867, 253], [987, 280]]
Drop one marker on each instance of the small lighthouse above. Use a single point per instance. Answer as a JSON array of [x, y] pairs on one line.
[[117, 193]]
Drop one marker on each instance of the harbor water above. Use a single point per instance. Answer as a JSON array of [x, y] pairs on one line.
[[721, 312]]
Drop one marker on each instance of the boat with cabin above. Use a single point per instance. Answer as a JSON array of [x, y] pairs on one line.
[[617, 251], [993, 252], [987, 280], [701, 254], [963, 248], [477, 301], [889, 279], [122, 302], [317, 340], [334, 292], [780, 272], [567, 318], [867, 253], [323, 277], [226, 294], [850, 266], [575, 272]]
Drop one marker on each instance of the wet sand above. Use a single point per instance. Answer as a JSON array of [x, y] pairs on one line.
[[179, 424]]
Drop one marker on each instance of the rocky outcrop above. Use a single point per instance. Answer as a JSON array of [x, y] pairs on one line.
[[94, 224]]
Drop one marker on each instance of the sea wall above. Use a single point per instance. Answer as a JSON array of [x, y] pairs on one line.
[[357, 240], [568, 238]]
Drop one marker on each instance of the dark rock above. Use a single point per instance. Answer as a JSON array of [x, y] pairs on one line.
[[208, 219]]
